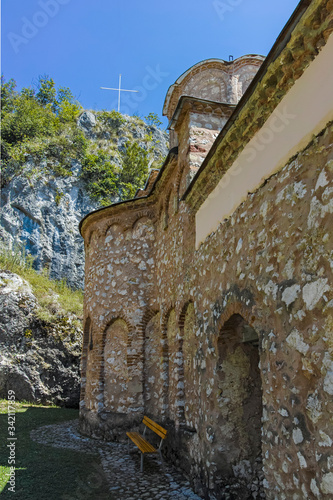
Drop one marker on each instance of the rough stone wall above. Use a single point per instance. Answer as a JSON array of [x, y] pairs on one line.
[[269, 269]]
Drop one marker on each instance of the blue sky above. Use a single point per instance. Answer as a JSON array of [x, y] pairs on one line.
[[85, 44]]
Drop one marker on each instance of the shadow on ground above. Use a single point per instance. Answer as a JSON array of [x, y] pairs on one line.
[[44, 472]]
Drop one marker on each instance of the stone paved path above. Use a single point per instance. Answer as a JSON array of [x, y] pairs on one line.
[[122, 469]]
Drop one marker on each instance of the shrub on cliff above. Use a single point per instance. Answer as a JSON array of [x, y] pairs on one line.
[[41, 124], [55, 298]]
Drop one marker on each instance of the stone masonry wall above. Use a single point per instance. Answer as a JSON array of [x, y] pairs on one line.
[[199, 321]]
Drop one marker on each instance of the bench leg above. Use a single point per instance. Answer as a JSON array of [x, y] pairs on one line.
[[161, 458], [141, 468]]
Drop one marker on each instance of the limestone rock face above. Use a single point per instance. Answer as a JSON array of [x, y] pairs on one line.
[[87, 120], [41, 210], [43, 213], [38, 360]]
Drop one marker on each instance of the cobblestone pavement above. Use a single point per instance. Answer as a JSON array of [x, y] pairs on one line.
[[122, 469]]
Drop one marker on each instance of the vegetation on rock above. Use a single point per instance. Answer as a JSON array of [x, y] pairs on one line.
[[57, 302], [41, 125]]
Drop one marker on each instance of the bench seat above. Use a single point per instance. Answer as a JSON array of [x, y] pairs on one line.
[[141, 443]]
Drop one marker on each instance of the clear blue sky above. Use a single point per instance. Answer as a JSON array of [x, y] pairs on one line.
[[85, 44]]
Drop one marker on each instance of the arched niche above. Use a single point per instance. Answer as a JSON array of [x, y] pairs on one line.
[[114, 367], [143, 228], [209, 84], [154, 389], [237, 439], [114, 234], [190, 346]]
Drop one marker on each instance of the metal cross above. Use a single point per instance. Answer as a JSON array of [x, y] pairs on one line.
[[119, 90]]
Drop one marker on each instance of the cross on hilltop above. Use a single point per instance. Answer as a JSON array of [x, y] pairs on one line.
[[119, 89]]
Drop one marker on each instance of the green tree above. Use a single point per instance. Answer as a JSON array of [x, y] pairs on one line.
[[8, 94], [153, 119], [28, 92], [28, 120], [134, 170], [64, 94], [100, 177], [46, 92], [69, 111]]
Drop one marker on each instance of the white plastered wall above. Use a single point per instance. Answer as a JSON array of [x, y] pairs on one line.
[[302, 113]]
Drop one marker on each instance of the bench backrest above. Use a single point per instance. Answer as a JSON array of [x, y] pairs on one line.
[[154, 427]]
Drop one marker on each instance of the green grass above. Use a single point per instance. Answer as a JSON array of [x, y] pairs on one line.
[[44, 472], [55, 297]]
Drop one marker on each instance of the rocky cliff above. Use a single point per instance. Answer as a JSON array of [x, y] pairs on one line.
[[41, 205], [39, 359]]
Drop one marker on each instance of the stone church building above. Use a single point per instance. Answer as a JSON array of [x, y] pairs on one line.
[[209, 300]]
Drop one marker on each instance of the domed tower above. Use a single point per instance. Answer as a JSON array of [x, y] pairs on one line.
[[201, 101]]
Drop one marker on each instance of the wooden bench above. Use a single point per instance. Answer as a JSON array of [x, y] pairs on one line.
[[143, 445]]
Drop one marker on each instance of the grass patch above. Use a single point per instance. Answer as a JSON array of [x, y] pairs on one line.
[[55, 297], [43, 472]]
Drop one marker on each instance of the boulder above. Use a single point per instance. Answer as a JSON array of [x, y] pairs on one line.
[[39, 361]]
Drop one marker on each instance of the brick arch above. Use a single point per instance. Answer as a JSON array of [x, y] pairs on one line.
[[182, 314], [98, 232], [138, 219], [146, 317], [119, 225], [150, 214], [176, 90], [109, 320], [236, 307], [164, 319], [112, 317], [147, 228]]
